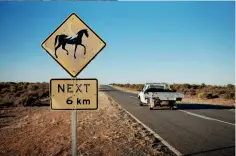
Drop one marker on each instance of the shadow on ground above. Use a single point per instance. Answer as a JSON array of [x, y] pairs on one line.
[[184, 106], [38, 104], [193, 107], [7, 116]]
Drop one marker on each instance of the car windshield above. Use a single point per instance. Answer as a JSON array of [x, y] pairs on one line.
[[159, 86]]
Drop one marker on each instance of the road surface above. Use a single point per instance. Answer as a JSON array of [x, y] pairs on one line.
[[192, 129]]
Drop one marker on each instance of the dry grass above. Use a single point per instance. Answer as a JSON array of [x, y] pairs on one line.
[[106, 131], [23, 93]]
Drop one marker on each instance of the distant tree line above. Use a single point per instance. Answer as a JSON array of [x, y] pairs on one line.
[[22, 93]]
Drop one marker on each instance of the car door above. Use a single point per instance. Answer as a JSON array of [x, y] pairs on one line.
[[141, 95]]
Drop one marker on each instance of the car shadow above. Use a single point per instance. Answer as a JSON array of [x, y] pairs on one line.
[[188, 106]]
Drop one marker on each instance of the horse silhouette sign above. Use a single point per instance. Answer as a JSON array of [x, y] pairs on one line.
[[73, 45]]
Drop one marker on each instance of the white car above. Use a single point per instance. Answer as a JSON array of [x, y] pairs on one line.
[[159, 94]]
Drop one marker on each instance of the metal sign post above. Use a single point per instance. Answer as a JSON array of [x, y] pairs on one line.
[[74, 127], [74, 132]]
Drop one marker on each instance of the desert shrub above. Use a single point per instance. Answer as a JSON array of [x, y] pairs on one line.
[[230, 86], [12, 88], [186, 85], [184, 90], [132, 86], [202, 95], [19, 92], [225, 96], [228, 96], [5, 90], [25, 85], [34, 93], [29, 101], [20, 101], [7, 100], [33, 87], [140, 86], [192, 92], [194, 86], [15, 94], [209, 96], [28, 98], [202, 85], [20, 87], [43, 86], [3, 85], [45, 94], [232, 95], [215, 95], [221, 91]]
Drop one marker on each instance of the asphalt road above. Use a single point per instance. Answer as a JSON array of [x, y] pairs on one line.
[[192, 129]]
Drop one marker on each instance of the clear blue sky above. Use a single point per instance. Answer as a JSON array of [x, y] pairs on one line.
[[174, 42]]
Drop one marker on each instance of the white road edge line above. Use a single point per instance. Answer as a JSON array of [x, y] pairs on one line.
[[133, 97], [149, 129], [205, 117]]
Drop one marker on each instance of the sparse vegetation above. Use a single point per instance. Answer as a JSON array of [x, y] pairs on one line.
[[22, 93], [201, 91]]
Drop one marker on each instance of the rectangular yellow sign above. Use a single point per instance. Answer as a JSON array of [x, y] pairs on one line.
[[77, 94]]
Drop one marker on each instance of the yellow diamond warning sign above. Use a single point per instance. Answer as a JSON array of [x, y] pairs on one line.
[[79, 94], [73, 45]]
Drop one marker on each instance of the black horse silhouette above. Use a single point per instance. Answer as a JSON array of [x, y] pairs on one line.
[[64, 39]]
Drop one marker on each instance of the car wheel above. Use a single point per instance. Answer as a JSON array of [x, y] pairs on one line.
[[172, 104], [151, 106], [140, 102]]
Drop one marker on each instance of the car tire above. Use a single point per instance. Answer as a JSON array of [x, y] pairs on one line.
[[172, 104], [151, 107], [140, 102]]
